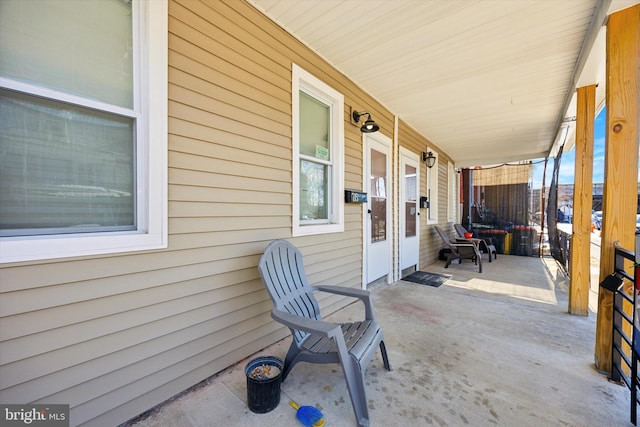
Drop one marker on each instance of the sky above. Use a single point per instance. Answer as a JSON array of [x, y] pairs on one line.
[[567, 163]]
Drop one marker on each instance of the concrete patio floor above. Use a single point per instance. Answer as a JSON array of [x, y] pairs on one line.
[[490, 349]]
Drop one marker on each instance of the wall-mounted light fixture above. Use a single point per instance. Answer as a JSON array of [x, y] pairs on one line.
[[369, 125], [429, 158]]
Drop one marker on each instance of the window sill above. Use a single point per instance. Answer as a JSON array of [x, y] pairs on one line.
[[54, 247], [307, 230]]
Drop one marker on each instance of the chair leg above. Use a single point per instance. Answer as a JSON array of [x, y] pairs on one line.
[[491, 249], [354, 375], [451, 257], [488, 251], [385, 358], [289, 359]]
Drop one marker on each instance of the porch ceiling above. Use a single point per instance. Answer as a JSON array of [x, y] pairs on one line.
[[487, 81]]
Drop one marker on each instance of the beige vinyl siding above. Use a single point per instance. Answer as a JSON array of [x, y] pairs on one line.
[[115, 335]]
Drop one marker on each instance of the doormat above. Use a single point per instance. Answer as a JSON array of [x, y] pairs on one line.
[[429, 279]]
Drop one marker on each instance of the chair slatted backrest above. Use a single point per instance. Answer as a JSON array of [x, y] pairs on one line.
[[282, 271], [443, 236], [460, 229]]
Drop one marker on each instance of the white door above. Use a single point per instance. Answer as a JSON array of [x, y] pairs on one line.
[[377, 215], [409, 209]]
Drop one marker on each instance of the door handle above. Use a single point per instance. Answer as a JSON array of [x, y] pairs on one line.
[[368, 211]]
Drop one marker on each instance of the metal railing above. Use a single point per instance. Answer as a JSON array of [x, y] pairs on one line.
[[625, 352]]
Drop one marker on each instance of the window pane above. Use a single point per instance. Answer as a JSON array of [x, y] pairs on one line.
[[314, 127], [313, 191], [75, 46], [63, 168]]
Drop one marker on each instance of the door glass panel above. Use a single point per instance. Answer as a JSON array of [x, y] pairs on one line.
[[411, 207], [378, 192]]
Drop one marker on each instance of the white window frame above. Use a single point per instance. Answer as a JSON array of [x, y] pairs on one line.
[[150, 24], [312, 86], [452, 194], [432, 191]]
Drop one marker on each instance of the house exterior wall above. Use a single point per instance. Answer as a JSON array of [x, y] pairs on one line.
[[115, 335]]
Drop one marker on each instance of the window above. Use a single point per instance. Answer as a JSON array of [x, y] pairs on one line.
[[82, 172], [318, 163], [432, 191], [452, 193]]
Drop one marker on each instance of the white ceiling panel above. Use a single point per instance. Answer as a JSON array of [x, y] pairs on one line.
[[487, 81]]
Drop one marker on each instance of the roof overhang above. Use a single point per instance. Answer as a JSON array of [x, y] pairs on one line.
[[487, 82]]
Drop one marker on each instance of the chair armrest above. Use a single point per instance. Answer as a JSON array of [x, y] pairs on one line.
[[343, 290], [467, 244], [361, 294], [312, 326], [462, 240]]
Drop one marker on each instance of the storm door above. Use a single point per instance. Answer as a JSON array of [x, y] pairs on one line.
[[377, 227], [409, 210]]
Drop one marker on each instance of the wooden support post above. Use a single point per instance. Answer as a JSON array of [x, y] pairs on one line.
[[580, 257], [621, 160]]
